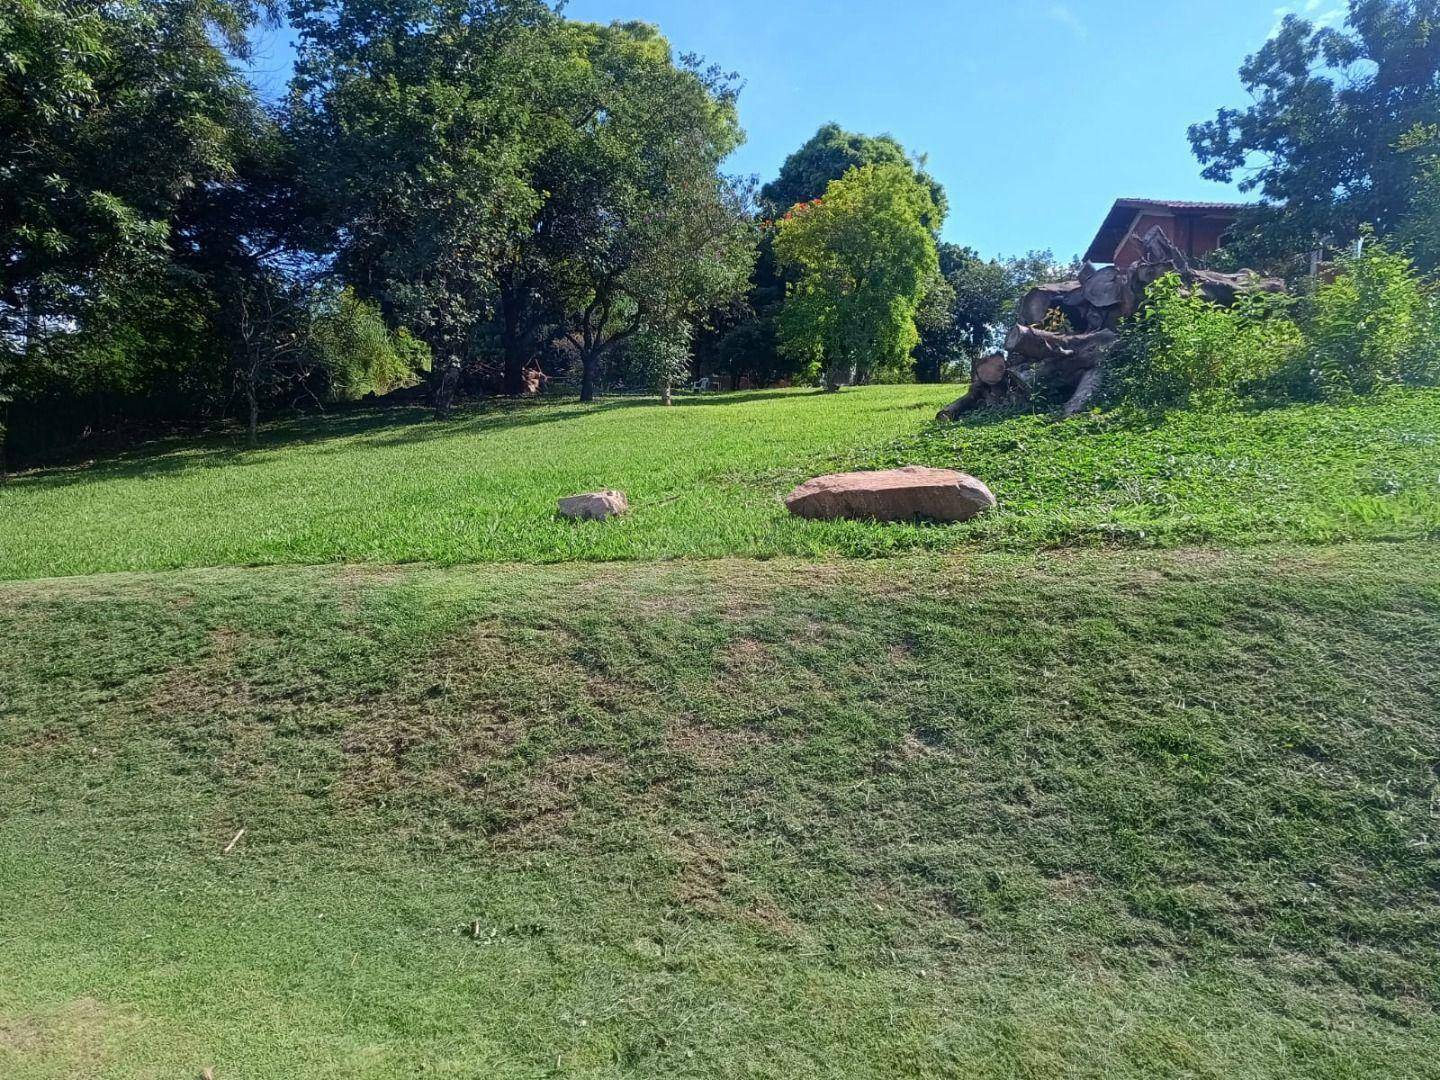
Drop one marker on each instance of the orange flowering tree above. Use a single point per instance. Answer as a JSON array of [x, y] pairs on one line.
[[864, 256]]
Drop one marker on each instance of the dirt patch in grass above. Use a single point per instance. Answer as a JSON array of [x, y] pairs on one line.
[[711, 748], [75, 1033], [553, 794], [702, 876], [209, 685]]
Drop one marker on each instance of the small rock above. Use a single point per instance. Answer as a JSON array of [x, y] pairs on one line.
[[594, 506], [892, 495]]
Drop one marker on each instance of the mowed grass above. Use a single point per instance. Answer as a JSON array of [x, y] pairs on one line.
[[706, 479], [1089, 814]]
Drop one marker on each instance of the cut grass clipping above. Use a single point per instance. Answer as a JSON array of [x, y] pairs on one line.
[[706, 479], [1122, 815]]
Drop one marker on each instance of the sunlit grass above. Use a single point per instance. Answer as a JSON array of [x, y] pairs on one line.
[[1124, 815], [706, 479]]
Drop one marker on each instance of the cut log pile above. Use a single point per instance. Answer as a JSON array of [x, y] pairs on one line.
[[1070, 365]]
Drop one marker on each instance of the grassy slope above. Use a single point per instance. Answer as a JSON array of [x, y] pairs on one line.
[[1092, 814], [706, 477]]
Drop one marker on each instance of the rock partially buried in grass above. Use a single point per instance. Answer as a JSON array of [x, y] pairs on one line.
[[892, 495], [594, 506]]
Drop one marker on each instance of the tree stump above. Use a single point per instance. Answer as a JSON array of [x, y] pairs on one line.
[[1071, 366]]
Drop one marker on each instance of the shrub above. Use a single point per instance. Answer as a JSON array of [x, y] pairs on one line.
[[1373, 325], [1181, 346], [361, 355]]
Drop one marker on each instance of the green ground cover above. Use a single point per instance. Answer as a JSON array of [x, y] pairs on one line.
[[1136, 777], [706, 478], [1100, 814]]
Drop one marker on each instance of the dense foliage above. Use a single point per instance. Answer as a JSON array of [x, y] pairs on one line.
[[502, 187], [497, 194], [1180, 346], [831, 153], [1340, 133], [864, 256], [128, 138], [1374, 324]]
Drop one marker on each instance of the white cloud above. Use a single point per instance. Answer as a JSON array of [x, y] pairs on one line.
[[1065, 16], [1319, 12]]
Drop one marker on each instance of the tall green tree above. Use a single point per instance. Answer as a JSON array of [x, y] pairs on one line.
[[864, 255], [424, 122], [646, 233], [750, 345], [121, 125], [1324, 139]]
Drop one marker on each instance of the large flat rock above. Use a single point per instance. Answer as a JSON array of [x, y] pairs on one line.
[[892, 495], [594, 506]]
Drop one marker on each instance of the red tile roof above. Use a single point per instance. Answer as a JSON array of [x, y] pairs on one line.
[[1117, 222], [1180, 204]]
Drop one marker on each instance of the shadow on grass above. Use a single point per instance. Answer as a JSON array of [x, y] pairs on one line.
[[375, 426]]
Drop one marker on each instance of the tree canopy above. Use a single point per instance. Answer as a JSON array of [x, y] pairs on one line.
[[1335, 136], [645, 232], [865, 255], [831, 153], [127, 132]]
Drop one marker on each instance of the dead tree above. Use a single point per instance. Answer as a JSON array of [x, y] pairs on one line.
[[1035, 360], [1071, 366]]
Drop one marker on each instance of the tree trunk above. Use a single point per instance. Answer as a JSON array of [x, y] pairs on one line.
[[1068, 365], [512, 341], [4, 432], [1085, 391], [1035, 304], [589, 364], [665, 398], [990, 384], [445, 391], [1027, 343], [252, 410]]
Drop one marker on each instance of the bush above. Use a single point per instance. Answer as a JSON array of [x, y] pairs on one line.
[[1374, 325], [1362, 324], [360, 354], [1181, 346]]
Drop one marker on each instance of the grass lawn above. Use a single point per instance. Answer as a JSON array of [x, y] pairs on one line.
[[1137, 777], [1090, 814], [706, 478]]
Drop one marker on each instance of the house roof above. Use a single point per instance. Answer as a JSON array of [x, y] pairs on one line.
[[1117, 222]]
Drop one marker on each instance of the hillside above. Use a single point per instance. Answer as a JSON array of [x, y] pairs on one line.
[[1081, 815], [1157, 802], [706, 477]]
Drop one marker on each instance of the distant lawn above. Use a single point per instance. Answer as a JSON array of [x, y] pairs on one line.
[[706, 478], [1111, 815]]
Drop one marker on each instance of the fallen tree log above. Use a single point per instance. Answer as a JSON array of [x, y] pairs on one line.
[[1038, 302], [989, 385], [1071, 366], [1037, 362], [1029, 343]]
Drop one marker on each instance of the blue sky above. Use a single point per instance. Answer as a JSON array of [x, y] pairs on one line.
[[1035, 114]]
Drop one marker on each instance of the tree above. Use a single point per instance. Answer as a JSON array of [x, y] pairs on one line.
[[1418, 231], [831, 153], [1323, 140], [977, 297], [645, 234], [424, 124], [122, 122], [317, 340], [750, 345], [865, 255]]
